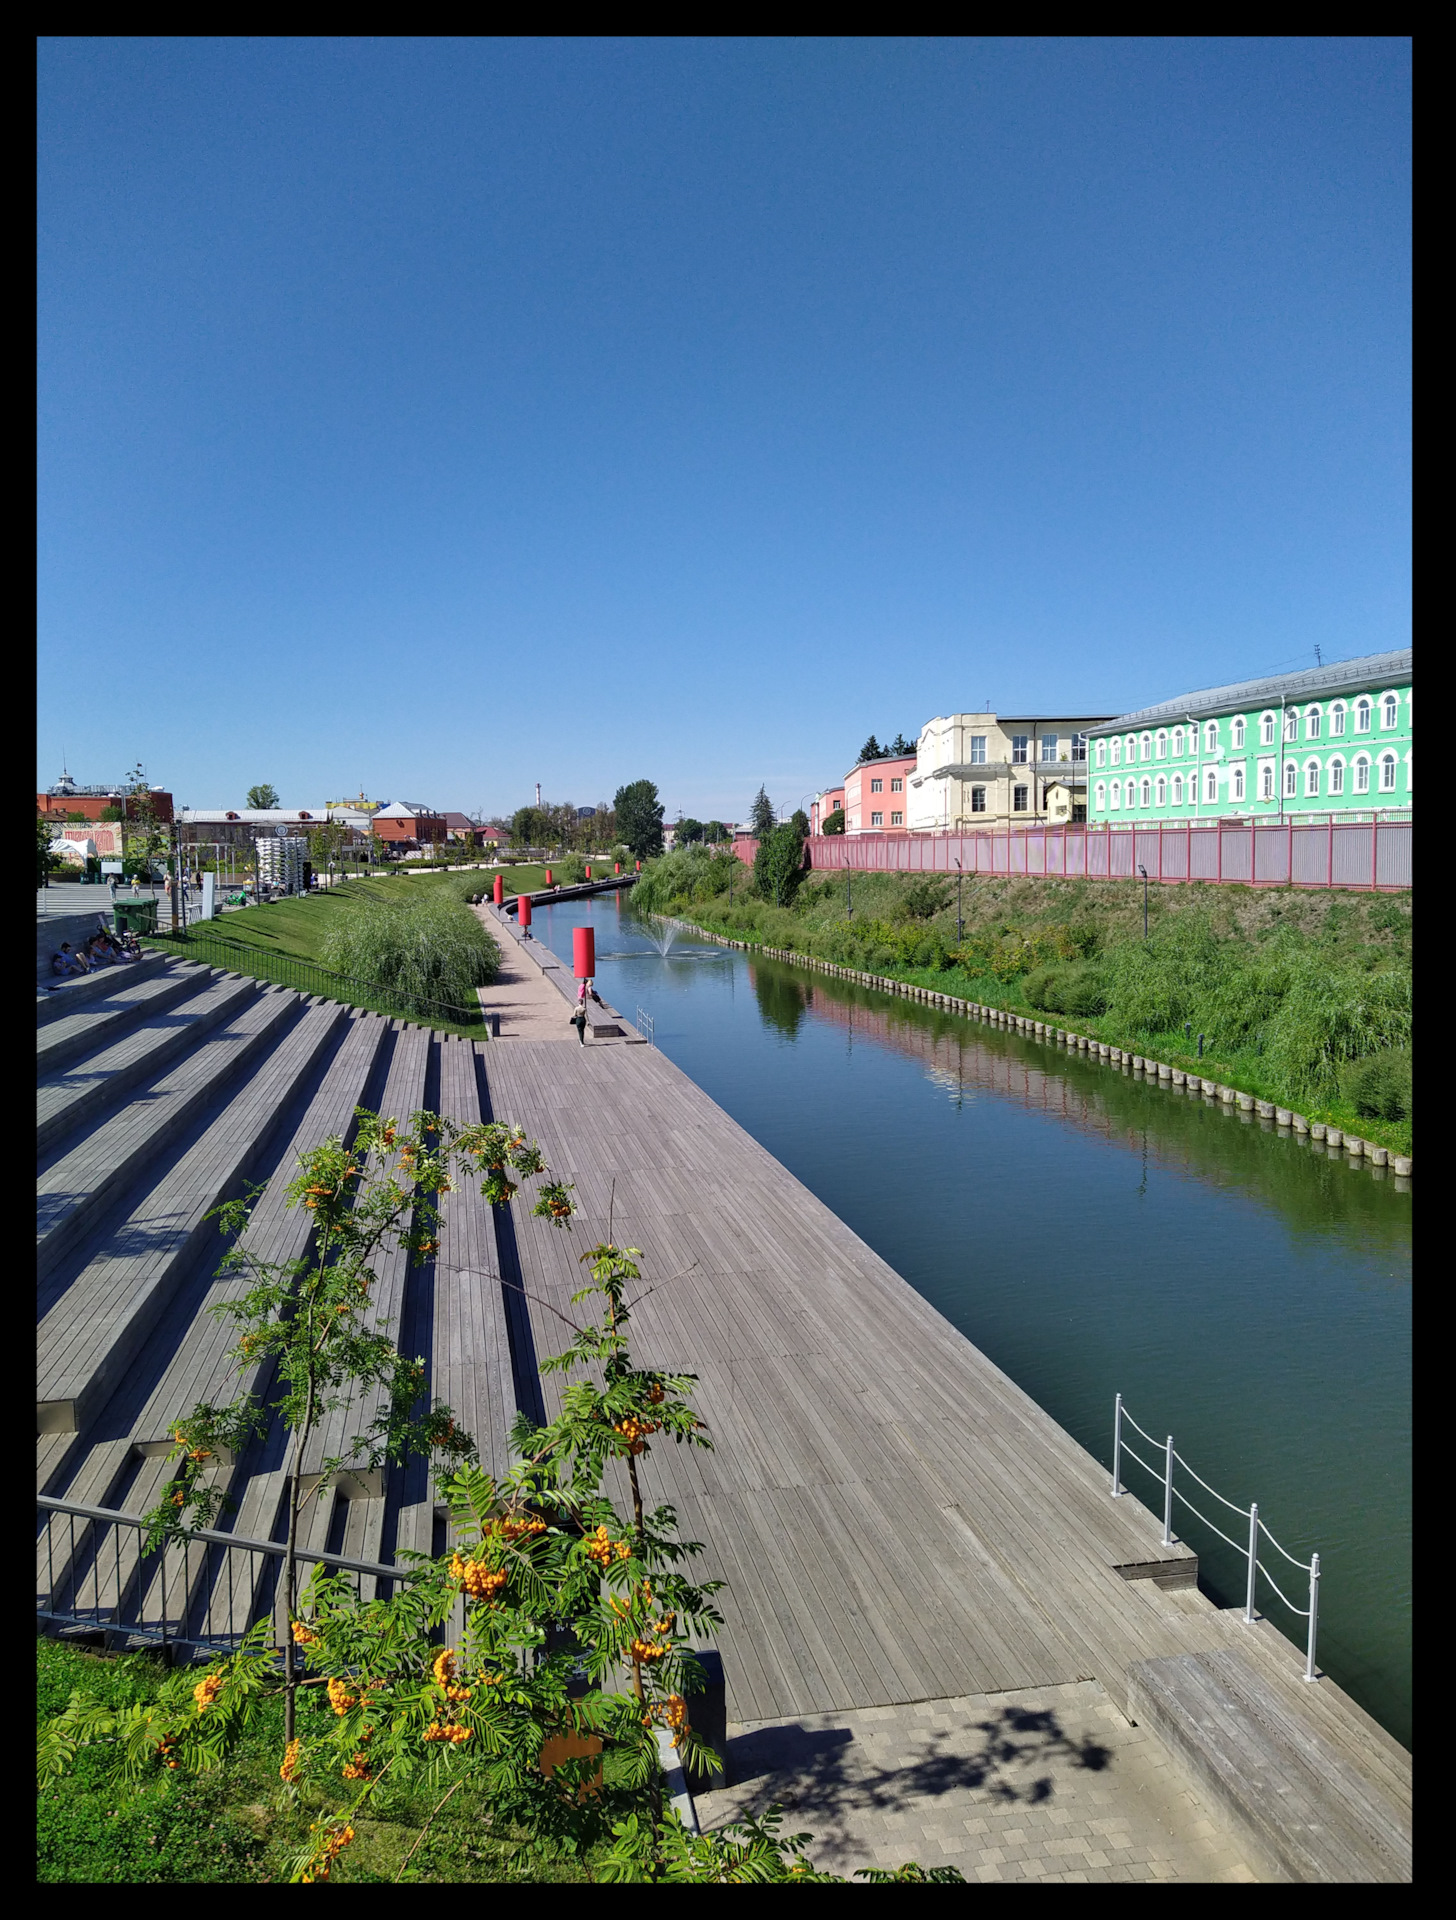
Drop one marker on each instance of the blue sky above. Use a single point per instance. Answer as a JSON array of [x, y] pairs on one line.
[[443, 416]]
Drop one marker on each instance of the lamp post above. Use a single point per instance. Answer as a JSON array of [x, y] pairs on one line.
[[1144, 872], [960, 929]]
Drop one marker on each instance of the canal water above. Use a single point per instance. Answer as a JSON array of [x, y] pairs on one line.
[[1092, 1235]]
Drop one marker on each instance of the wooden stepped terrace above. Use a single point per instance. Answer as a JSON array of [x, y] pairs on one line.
[[895, 1519]]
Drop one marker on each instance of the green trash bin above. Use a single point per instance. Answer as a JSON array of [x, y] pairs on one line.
[[136, 916]]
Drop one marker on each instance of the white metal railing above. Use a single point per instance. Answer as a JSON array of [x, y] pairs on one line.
[[1248, 1549], [645, 1027]]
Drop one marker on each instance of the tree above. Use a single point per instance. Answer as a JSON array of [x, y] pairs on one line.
[[900, 748], [762, 818], [264, 798], [326, 845], [687, 831], [871, 750], [144, 837], [639, 819], [533, 827], [834, 822], [47, 862], [715, 832], [779, 862]]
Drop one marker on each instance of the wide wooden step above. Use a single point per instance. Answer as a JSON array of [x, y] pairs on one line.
[[101, 1021], [63, 998]]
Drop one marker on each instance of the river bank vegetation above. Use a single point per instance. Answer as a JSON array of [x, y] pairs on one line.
[[1301, 997]]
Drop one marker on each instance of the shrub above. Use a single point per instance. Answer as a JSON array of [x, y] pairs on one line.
[[1329, 1018], [924, 899], [1380, 1087], [425, 946], [1072, 987], [687, 873]]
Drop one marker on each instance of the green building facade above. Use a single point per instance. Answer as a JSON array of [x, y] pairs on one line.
[[1332, 742]]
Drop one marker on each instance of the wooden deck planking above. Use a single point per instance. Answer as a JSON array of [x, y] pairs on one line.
[[73, 1035]]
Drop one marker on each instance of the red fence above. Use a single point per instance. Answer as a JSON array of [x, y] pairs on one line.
[[1257, 854]]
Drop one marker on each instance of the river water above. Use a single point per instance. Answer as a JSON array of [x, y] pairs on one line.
[[1092, 1235]]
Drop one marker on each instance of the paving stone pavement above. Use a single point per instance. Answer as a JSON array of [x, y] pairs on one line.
[[1048, 1784]]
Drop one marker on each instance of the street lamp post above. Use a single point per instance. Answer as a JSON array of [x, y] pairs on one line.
[[1144, 872], [960, 925]]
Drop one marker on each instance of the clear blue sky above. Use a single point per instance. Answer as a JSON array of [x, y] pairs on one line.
[[448, 415]]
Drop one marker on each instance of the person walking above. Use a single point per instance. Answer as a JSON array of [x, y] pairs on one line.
[[578, 1020]]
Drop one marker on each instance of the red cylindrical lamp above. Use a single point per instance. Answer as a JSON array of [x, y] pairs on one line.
[[588, 873], [584, 952], [523, 910], [616, 866], [549, 881], [500, 890]]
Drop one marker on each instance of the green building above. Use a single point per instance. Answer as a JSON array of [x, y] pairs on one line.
[[1333, 742]]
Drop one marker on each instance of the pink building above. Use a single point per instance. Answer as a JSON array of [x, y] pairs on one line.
[[822, 805], [874, 796]]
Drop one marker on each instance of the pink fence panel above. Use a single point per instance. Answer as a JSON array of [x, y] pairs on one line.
[[1393, 855], [1311, 857], [1271, 857], [1236, 855]]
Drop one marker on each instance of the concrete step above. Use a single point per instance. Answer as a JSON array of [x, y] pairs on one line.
[[75, 1098], [1304, 1811], [94, 1332], [96, 1171], [59, 1002], [203, 1366], [135, 996]]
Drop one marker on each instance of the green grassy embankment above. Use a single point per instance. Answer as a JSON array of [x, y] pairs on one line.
[[239, 1825], [1292, 989]]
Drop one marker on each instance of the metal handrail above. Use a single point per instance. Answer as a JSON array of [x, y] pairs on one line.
[[290, 972], [646, 1027], [1255, 1565]]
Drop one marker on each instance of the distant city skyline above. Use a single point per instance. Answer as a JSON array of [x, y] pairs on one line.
[[463, 413]]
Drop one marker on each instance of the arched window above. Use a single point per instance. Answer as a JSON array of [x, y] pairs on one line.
[[1389, 710], [1387, 773], [1162, 743], [1337, 776], [1117, 793], [1162, 791], [1337, 718], [1239, 731], [1210, 736], [1362, 715], [1177, 789], [1311, 723], [1116, 752], [1238, 792], [1210, 791], [1102, 796], [1291, 779], [1362, 775], [1266, 730], [1311, 778], [1147, 793], [1131, 748], [1291, 723], [1102, 753], [1147, 744], [1266, 781], [1177, 740]]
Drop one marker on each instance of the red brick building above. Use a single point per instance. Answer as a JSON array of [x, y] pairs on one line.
[[408, 823], [66, 798]]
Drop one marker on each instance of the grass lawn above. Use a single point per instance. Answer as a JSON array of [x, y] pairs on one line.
[[240, 1823]]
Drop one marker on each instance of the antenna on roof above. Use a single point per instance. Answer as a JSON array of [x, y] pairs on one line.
[[1318, 662]]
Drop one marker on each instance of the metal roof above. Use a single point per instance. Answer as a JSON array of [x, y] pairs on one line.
[[1371, 669]]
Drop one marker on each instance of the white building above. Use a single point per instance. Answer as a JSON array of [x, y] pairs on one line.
[[985, 769]]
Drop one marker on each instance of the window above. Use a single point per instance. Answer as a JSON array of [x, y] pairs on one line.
[[1101, 753], [1311, 723], [1018, 748], [1160, 745], [1079, 747], [1147, 793], [1177, 789], [1266, 781], [1291, 723], [1018, 799], [1311, 778], [1387, 773], [1116, 751], [1102, 796], [1162, 791], [1131, 749], [1147, 746], [1337, 718], [1210, 790], [1266, 730], [1389, 710], [978, 749], [978, 799], [1210, 736], [877, 819], [1362, 775], [1291, 779], [1239, 731], [897, 819], [1362, 715], [1337, 776], [1177, 740], [897, 786], [837, 806], [1049, 744], [1117, 793], [877, 786], [1238, 793]]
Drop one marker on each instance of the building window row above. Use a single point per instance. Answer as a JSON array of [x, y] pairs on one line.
[[1384, 772], [1340, 716]]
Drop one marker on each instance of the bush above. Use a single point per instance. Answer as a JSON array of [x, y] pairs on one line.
[[924, 899], [1073, 988], [1380, 1087], [685, 874], [425, 946]]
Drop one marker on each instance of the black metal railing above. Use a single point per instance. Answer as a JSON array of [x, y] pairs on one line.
[[305, 976]]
